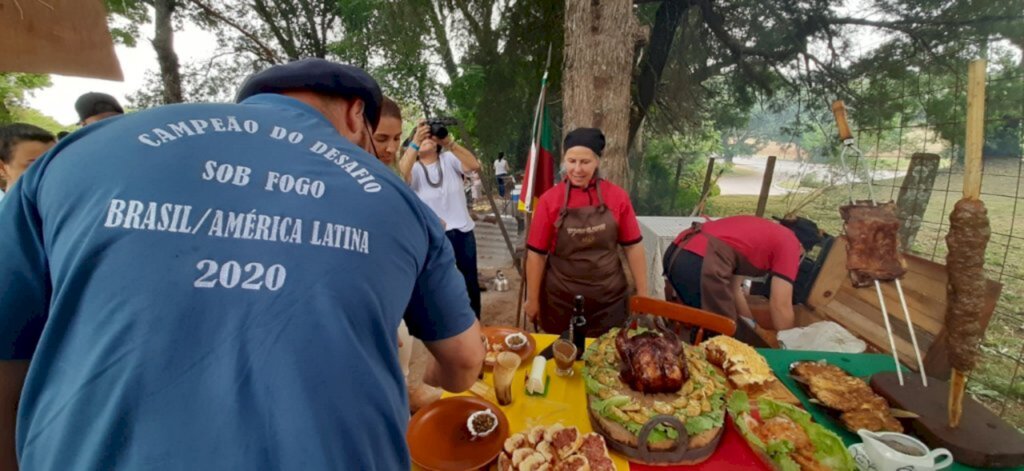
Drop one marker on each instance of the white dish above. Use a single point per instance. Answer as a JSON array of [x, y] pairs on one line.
[[861, 458]]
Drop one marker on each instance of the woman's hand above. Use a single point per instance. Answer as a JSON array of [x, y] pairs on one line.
[[532, 310], [422, 132]]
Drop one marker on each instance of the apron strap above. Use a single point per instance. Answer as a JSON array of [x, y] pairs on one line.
[[565, 206], [695, 229], [600, 199]]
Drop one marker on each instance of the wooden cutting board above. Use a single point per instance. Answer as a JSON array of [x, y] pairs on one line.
[[774, 390], [982, 440]]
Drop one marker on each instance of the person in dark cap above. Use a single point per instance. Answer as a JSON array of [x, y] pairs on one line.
[[96, 106], [221, 288], [707, 264], [574, 242]]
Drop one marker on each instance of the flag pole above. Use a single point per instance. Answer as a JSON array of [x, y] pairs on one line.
[[531, 173]]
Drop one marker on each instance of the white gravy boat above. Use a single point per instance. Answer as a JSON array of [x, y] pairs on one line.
[[896, 451]]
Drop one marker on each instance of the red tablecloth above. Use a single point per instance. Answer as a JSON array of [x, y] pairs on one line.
[[733, 453]]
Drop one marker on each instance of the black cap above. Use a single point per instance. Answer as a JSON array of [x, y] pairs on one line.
[[806, 231], [94, 103], [591, 138], [321, 76]]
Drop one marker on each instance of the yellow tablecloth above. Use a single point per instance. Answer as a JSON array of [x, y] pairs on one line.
[[565, 403]]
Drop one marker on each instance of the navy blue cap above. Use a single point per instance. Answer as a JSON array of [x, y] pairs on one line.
[[321, 76]]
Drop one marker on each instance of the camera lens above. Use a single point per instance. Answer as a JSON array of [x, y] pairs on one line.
[[438, 130]]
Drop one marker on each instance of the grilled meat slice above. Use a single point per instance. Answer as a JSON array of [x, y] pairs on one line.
[[872, 238]]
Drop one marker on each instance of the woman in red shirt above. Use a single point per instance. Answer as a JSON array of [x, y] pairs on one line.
[[573, 244], [707, 264]]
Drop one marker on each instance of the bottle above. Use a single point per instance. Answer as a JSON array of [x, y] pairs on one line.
[[578, 326]]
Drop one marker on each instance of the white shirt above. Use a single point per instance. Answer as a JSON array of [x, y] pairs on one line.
[[449, 200], [501, 167]]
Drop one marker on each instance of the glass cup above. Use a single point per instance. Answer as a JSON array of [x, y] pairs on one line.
[[565, 354], [505, 366]]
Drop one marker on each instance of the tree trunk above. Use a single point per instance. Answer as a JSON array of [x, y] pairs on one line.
[[600, 36], [655, 58], [163, 43]]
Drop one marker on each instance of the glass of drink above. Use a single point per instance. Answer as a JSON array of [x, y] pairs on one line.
[[565, 354], [505, 366]]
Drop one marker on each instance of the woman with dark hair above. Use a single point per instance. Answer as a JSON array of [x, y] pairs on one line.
[[574, 242], [435, 167], [387, 136]]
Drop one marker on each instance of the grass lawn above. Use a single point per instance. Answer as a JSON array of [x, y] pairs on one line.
[[999, 380]]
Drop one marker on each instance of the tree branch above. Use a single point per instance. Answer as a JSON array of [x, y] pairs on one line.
[[442, 41], [666, 22], [266, 52]]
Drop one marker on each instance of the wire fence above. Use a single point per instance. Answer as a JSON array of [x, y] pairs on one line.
[[998, 381]]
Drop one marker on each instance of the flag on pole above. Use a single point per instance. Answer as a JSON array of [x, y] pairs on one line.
[[540, 168]]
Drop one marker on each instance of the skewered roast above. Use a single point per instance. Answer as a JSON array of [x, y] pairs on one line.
[[873, 247]]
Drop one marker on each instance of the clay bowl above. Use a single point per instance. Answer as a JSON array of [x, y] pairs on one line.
[[440, 441]]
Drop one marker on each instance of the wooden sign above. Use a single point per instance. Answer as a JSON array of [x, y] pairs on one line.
[[67, 37]]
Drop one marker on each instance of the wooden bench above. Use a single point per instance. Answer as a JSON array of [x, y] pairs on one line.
[[834, 298]]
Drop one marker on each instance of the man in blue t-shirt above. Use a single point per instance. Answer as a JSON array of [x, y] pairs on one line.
[[219, 286]]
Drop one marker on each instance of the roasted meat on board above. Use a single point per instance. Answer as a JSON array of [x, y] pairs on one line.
[[652, 362], [872, 238]]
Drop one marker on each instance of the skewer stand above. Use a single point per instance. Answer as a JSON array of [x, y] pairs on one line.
[[849, 143]]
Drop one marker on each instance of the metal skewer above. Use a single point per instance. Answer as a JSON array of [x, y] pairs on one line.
[[888, 330], [913, 337], [839, 109]]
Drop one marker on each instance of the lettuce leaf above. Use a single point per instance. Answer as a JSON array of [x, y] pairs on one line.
[[593, 386], [603, 408], [703, 423], [829, 448]]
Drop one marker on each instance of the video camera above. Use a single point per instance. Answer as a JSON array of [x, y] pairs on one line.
[[439, 126]]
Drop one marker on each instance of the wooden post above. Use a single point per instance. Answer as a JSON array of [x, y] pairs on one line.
[[915, 193], [972, 191], [975, 129], [707, 177], [766, 186]]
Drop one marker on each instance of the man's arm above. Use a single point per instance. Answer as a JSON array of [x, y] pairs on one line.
[[740, 298], [459, 360], [781, 304], [638, 267], [12, 377]]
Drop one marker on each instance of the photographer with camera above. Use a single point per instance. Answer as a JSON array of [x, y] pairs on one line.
[[434, 165]]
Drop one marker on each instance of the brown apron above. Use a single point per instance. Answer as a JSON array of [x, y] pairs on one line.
[[585, 262], [720, 264]]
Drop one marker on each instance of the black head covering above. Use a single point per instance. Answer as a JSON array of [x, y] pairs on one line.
[[591, 138], [806, 231], [321, 76], [94, 103]]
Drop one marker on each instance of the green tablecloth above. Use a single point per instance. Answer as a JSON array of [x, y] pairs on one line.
[[857, 364]]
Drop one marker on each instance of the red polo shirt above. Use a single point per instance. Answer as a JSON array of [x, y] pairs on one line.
[[766, 245], [542, 230]]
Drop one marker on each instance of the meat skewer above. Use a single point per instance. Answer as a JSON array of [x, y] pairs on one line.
[[968, 236], [873, 248]]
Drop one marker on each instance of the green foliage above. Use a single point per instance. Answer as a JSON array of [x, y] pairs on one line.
[[14, 87], [657, 192], [36, 118], [125, 17]]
